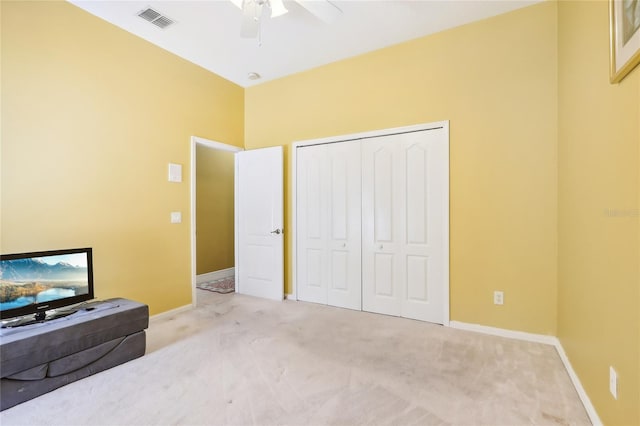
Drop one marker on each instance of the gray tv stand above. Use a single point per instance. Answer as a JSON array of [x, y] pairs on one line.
[[38, 358]]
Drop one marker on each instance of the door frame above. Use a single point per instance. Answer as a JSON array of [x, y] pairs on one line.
[[364, 136], [195, 140]]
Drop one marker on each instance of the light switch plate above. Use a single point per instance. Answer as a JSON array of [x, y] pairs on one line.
[[176, 217], [175, 172]]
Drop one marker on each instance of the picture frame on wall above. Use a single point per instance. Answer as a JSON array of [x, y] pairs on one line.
[[624, 28]]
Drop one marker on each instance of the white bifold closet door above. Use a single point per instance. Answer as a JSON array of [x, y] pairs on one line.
[[404, 208], [329, 224]]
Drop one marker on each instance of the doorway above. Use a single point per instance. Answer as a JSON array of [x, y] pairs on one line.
[[212, 221]]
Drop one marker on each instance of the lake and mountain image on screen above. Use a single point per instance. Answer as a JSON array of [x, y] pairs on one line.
[[36, 280]]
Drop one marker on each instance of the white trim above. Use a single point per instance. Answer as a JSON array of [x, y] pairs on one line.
[[236, 214], [192, 206], [539, 338], [195, 140], [446, 211], [372, 134], [294, 224], [511, 334], [364, 135], [215, 275], [162, 315], [588, 406], [216, 145]]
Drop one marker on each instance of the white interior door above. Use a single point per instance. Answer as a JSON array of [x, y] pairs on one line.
[[259, 223], [405, 225], [328, 224]]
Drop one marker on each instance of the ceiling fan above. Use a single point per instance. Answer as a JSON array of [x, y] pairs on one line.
[[253, 10]]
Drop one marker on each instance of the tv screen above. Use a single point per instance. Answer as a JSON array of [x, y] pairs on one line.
[[35, 282]]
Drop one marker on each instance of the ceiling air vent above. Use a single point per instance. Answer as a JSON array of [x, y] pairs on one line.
[[156, 18]]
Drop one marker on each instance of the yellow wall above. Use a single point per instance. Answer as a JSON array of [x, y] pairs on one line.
[[496, 81], [545, 159], [599, 196], [91, 116], [214, 209]]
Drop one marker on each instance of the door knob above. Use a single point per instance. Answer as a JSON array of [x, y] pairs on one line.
[[277, 232]]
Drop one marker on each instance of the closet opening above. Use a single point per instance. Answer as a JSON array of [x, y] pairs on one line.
[[371, 221]]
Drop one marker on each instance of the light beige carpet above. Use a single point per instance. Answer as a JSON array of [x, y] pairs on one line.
[[243, 361]]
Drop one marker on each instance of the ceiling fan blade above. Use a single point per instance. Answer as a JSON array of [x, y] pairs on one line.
[[322, 9], [251, 12], [277, 8]]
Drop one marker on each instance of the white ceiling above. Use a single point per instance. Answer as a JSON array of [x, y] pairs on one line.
[[207, 32]]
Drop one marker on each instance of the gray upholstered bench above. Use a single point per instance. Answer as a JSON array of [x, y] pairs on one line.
[[39, 358]]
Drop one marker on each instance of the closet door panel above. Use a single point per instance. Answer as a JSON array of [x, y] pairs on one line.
[[422, 250], [344, 217], [380, 228], [403, 227], [311, 239], [339, 271], [338, 208], [313, 273], [417, 194], [382, 191], [417, 273], [328, 224], [383, 275], [415, 254]]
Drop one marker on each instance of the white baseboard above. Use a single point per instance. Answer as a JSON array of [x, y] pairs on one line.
[[215, 275], [511, 334], [538, 338], [591, 411], [172, 312]]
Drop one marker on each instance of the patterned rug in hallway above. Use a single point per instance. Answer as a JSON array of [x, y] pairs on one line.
[[223, 285]]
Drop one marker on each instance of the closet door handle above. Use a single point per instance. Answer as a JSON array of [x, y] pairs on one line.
[[277, 232], [381, 246]]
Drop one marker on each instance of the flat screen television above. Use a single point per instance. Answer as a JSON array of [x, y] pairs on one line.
[[37, 282]]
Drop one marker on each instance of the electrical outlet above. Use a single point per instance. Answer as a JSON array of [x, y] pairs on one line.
[[613, 382], [498, 298]]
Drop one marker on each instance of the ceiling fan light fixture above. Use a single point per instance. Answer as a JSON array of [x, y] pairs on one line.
[[251, 12]]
